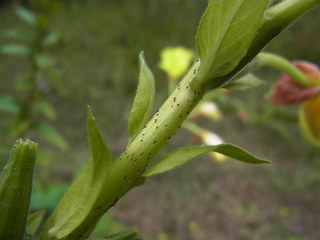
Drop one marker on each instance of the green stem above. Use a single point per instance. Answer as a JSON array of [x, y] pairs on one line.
[[126, 171], [283, 65], [154, 136], [276, 19]]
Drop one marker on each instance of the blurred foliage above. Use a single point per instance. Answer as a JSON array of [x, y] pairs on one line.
[[26, 105]]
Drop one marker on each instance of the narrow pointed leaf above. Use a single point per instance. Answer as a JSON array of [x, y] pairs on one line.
[[143, 101], [50, 39], [44, 61], [226, 31], [26, 16], [184, 155], [15, 189], [16, 49], [97, 144], [247, 81], [45, 108], [17, 34], [71, 215], [126, 234]]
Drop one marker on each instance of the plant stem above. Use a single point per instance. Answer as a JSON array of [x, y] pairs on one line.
[[126, 171], [283, 65], [154, 135]]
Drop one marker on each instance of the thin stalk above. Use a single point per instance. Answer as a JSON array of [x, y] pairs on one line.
[[283, 65]]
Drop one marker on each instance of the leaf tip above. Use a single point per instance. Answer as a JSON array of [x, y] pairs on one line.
[[89, 113]]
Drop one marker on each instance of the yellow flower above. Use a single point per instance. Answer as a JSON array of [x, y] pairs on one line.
[[175, 61]]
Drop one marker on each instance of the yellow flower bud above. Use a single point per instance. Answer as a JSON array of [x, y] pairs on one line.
[[175, 61]]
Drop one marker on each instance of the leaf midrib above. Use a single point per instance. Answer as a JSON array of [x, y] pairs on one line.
[[217, 45]]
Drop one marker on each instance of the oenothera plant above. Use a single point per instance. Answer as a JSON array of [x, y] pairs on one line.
[[230, 35]]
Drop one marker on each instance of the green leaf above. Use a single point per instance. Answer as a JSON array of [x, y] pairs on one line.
[[51, 135], [50, 39], [34, 221], [26, 16], [143, 101], [17, 34], [243, 83], [15, 189], [184, 155], [15, 49], [226, 31], [71, 215], [97, 144], [45, 108], [126, 234], [9, 104], [44, 61]]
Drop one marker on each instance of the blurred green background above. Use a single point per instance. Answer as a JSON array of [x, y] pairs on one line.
[[96, 63]]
